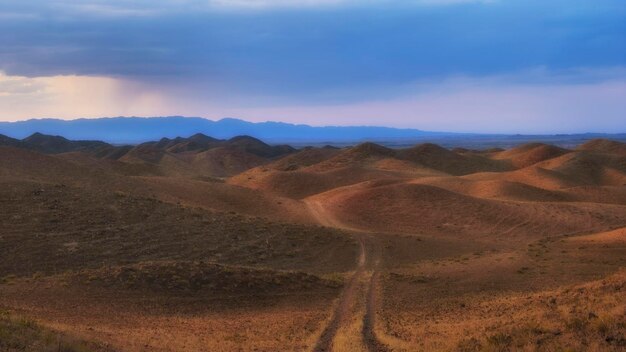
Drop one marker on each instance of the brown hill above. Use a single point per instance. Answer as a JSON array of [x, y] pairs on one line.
[[529, 154], [10, 142], [424, 209], [496, 188], [533, 175], [202, 156], [614, 236], [305, 157], [151, 152], [315, 170], [530, 184], [461, 150], [195, 156], [96, 176], [24, 164], [197, 142], [597, 194], [418, 158], [604, 146], [57, 144], [200, 142], [214, 162], [367, 150], [589, 168], [223, 161], [573, 169], [405, 168], [441, 159], [361, 155], [258, 148], [303, 183], [110, 164], [225, 197]]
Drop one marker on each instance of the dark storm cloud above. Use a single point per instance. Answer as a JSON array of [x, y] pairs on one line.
[[300, 51]]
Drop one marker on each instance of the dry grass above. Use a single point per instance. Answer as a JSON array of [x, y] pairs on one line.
[[526, 259], [349, 336], [70, 228], [589, 317], [171, 320], [20, 334], [567, 298], [387, 206], [194, 277]]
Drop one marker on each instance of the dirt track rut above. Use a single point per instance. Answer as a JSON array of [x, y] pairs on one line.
[[367, 264]]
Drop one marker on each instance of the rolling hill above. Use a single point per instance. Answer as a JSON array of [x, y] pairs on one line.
[[181, 243]]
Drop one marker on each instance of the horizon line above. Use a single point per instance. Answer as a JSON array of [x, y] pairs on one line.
[[311, 126]]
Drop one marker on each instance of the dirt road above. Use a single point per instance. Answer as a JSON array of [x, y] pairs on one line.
[[367, 264]]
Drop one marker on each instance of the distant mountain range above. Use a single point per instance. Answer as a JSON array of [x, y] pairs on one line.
[[135, 130]]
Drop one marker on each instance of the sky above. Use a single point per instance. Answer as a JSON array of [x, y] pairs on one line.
[[495, 66]]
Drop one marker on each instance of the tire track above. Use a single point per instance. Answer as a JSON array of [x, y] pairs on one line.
[[369, 320], [342, 314]]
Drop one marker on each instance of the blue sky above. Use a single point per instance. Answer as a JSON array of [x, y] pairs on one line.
[[522, 66]]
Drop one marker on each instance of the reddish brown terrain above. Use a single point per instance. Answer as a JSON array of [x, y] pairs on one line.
[[199, 244]]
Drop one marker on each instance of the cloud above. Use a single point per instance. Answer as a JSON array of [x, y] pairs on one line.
[[265, 4], [134, 8], [72, 96], [313, 54], [12, 86], [500, 104], [307, 61], [111, 10]]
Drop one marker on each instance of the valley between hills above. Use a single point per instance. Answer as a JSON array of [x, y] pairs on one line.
[[203, 244]]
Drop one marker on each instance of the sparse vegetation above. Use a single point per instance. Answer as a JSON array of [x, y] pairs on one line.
[[152, 252], [24, 335]]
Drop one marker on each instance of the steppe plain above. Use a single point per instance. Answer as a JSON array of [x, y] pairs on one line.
[[199, 244]]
